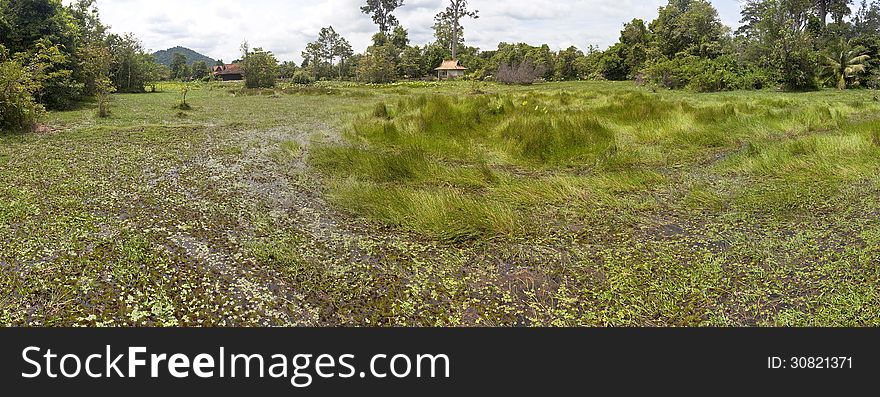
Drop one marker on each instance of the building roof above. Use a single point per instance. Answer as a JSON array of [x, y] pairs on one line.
[[229, 69], [451, 65]]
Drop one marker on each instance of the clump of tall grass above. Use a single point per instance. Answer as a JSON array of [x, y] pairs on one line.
[[381, 111], [444, 214], [375, 166], [558, 139]]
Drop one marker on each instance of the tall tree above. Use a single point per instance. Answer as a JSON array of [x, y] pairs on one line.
[[179, 68], [450, 19], [837, 9], [320, 56], [312, 57], [342, 49], [866, 21], [688, 26], [635, 40], [777, 39], [327, 38], [33, 20], [85, 14], [382, 12], [565, 68]]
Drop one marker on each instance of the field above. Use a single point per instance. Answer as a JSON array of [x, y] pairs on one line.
[[460, 204]]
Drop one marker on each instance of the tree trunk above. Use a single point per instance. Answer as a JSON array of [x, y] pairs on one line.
[[455, 31], [822, 10]]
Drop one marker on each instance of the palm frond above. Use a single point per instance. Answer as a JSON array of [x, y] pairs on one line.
[[859, 59], [854, 69]]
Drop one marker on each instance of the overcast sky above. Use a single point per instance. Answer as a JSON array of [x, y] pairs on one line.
[[216, 29]]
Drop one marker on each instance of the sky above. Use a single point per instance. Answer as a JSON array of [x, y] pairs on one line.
[[217, 29]]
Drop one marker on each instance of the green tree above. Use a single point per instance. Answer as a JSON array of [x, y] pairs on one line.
[[612, 64], [777, 39], [412, 63], [636, 41], [101, 63], [448, 24], [313, 57], [382, 12], [179, 68], [512, 55], [588, 66], [691, 27], [377, 65], [154, 73], [91, 34], [434, 55], [36, 28], [18, 109], [86, 17], [131, 63], [837, 9], [320, 56], [342, 50], [49, 66], [31, 21], [866, 21], [287, 69], [199, 70], [845, 64], [97, 68], [566, 64], [260, 69]]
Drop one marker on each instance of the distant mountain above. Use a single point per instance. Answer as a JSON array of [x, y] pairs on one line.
[[164, 57]]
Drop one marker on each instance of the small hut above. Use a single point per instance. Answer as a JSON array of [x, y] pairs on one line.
[[450, 70]]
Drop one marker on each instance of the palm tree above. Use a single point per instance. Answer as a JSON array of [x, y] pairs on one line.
[[845, 64]]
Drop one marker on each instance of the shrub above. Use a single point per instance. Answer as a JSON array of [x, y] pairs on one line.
[[183, 105], [18, 109], [524, 73], [704, 74], [302, 77]]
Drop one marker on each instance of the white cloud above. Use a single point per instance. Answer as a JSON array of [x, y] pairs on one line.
[[217, 29]]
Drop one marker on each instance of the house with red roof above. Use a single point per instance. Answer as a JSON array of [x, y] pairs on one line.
[[231, 72]]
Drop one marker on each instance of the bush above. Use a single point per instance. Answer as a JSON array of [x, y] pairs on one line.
[[302, 77], [798, 70], [18, 109], [704, 74], [524, 73]]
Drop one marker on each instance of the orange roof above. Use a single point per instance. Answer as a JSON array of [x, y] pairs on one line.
[[228, 69], [451, 65]]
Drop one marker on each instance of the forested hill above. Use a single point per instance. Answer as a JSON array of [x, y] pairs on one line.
[[164, 57]]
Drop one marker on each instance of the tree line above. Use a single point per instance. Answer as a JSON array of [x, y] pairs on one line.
[[789, 44], [55, 56]]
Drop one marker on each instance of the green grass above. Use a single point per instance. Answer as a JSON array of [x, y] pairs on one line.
[[434, 204], [482, 166]]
